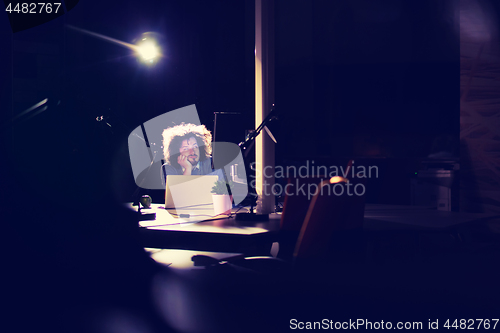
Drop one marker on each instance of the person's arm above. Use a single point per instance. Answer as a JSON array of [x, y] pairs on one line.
[[185, 164]]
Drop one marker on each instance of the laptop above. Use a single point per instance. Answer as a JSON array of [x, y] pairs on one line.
[[189, 191]]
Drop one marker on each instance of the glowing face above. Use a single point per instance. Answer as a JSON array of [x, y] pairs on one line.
[[190, 149]]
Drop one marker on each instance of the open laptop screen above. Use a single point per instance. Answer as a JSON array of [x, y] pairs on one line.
[[189, 191]]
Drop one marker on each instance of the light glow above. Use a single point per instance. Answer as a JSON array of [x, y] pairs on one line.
[[148, 50], [338, 179]]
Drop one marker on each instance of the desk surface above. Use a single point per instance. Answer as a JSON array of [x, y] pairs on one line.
[[202, 220], [217, 234], [398, 217], [222, 234], [377, 217]]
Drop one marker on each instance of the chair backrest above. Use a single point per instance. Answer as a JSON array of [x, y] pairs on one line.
[[297, 201], [294, 212], [332, 209]]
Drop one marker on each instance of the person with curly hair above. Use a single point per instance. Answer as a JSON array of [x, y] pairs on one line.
[[187, 149]]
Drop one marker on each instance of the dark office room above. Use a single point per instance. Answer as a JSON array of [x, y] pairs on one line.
[[250, 165]]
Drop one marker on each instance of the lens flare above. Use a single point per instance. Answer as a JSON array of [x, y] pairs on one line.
[[148, 50]]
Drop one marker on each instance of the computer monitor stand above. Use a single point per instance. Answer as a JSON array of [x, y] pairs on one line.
[[252, 216]]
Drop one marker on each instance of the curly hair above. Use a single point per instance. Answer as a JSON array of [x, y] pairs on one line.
[[173, 137]]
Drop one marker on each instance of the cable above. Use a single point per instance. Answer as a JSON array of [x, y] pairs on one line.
[[186, 206]]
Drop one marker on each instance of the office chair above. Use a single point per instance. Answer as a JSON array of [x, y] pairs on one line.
[[332, 230], [328, 213], [295, 207], [307, 226]]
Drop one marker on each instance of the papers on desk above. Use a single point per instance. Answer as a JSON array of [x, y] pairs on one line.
[[172, 216], [163, 217], [201, 220]]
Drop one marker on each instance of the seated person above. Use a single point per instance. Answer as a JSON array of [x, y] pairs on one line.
[[187, 149]]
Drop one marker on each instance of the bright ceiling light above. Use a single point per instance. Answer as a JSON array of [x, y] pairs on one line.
[[146, 46], [148, 50]]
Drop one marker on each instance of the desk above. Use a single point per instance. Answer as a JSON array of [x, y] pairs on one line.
[[255, 238], [417, 218], [406, 233], [216, 234]]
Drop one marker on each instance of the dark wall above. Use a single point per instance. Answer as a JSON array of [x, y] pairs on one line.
[[479, 107], [204, 48], [366, 78], [353, 79]]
